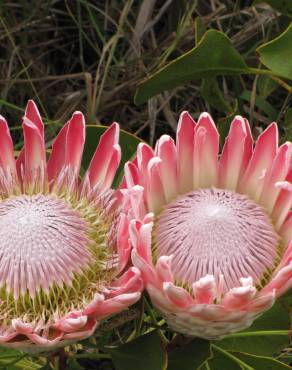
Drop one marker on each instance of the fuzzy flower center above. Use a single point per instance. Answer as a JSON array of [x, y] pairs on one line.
[[53, 255], [42, 242], [216, 232]]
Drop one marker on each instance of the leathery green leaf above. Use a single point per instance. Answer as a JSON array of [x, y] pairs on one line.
[[277, 54], [214, 55], [144, 353]]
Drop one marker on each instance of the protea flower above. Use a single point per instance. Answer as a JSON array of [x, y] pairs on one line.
[[64, 248], [213, 240]]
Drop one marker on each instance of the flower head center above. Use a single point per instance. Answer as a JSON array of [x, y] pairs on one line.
[[217, 232], [42, 242], [55, 253]]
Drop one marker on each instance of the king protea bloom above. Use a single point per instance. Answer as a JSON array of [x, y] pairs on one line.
[[64, 246], [212, 239]]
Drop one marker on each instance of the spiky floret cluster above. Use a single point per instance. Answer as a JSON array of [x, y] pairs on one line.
[[64, 245], [220, 251]]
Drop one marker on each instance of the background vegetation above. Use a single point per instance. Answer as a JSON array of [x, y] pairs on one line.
[[96, 56]]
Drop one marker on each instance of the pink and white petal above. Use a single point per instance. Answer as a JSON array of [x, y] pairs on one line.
[[45, 342], [136, 194], [166, 150], [93, 306], [132, 272], [98, 167], [148, 271], [163, 269], [205, 290], [123, 244], [185, 147], [34, 148], [281, 277], [7, 161], [115, 305], [283, 203], [262, 302], [238, 298], [154, 188], [286, 229], [131, 175], [75, 139], [177, 295], [21, 327], [129, 282], [209, 156], [112, 167], [160, 299], [248, 146], [199, 144], [144, 154], [7, 336], [140, 236], [260, 163], [232, 158], [276, 173], [287, 256], [32, 113], [86, 331], [71, 324]]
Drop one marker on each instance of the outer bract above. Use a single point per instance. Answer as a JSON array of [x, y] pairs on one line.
[[213, 235], [64, 246]]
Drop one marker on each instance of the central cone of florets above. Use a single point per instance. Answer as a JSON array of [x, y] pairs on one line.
[[42, 242], [53, 254], [216, 232]]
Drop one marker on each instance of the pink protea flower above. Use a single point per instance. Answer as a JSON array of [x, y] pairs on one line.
[[64, 246], [213, 239]]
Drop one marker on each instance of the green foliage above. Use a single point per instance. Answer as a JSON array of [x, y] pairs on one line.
[[277, 54], [193, 355], [213, 56], [244, 361], [11, 359], [266, 85], [145, 353]]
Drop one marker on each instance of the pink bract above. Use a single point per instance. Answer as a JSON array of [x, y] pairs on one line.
[[64, 244], [212, 235]]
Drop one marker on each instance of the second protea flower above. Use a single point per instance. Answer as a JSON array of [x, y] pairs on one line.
[[213, 239], [64, 248]]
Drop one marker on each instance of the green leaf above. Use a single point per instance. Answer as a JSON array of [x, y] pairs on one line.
[[268, 335], [266, 85], [144, 353], [232, 361], [128, 143], [11, 359], [212, 93], [210, 89], [277, 54], [192, 355], [214, 55], [74, 365], [261, 362], [282, 6], [261, 103], [219, 361]]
